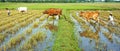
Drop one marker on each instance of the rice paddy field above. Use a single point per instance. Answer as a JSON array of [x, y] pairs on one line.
[[32, 31]]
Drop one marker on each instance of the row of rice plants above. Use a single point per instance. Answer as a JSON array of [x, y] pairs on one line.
[[9, 19], [14, 41], [21, 24], [28, 31], [9, 25], [4, 15], [23, 18], [11, 30], [18, 16], [2, 37], [15, 28], [32, 42]]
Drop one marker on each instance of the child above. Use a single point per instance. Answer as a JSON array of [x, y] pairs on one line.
[[8, 11], [111, 20]]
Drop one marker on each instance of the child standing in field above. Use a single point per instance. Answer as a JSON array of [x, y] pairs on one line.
[[111, 20], [8, 11]]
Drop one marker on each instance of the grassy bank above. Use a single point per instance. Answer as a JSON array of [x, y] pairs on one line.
[[70, 6]]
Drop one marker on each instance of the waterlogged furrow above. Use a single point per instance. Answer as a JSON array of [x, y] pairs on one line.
[[19, 33], [110, 40], [35, 28], [84, 43], [47, 44], [9, 35], [33, 40]]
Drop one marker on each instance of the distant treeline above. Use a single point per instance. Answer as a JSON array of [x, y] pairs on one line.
[[59, 1]]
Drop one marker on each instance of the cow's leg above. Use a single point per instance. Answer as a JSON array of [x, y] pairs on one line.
[[53, 20], [59, 16], [47, 18]]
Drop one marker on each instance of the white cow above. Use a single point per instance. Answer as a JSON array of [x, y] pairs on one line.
[[22, 9]]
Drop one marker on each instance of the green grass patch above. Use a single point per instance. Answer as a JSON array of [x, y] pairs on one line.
[[65, 38], [69, 6]]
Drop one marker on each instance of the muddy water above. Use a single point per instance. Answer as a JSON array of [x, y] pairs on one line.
[[89, 44]]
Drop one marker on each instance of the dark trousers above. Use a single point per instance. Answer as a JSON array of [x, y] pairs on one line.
[[9, 14]]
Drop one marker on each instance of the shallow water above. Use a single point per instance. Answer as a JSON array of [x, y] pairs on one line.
[[48, 42], [83, 41]]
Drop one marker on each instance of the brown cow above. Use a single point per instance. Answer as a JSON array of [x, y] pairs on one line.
[[90, 15], [53, 12]]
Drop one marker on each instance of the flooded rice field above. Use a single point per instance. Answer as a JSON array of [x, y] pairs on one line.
[[34, 32], [96, 37]]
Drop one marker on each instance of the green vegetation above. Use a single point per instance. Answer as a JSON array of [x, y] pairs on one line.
[[65, 38], [69, 6]]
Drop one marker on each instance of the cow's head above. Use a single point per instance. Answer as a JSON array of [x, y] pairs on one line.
[[45, 12], [81, 13]]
